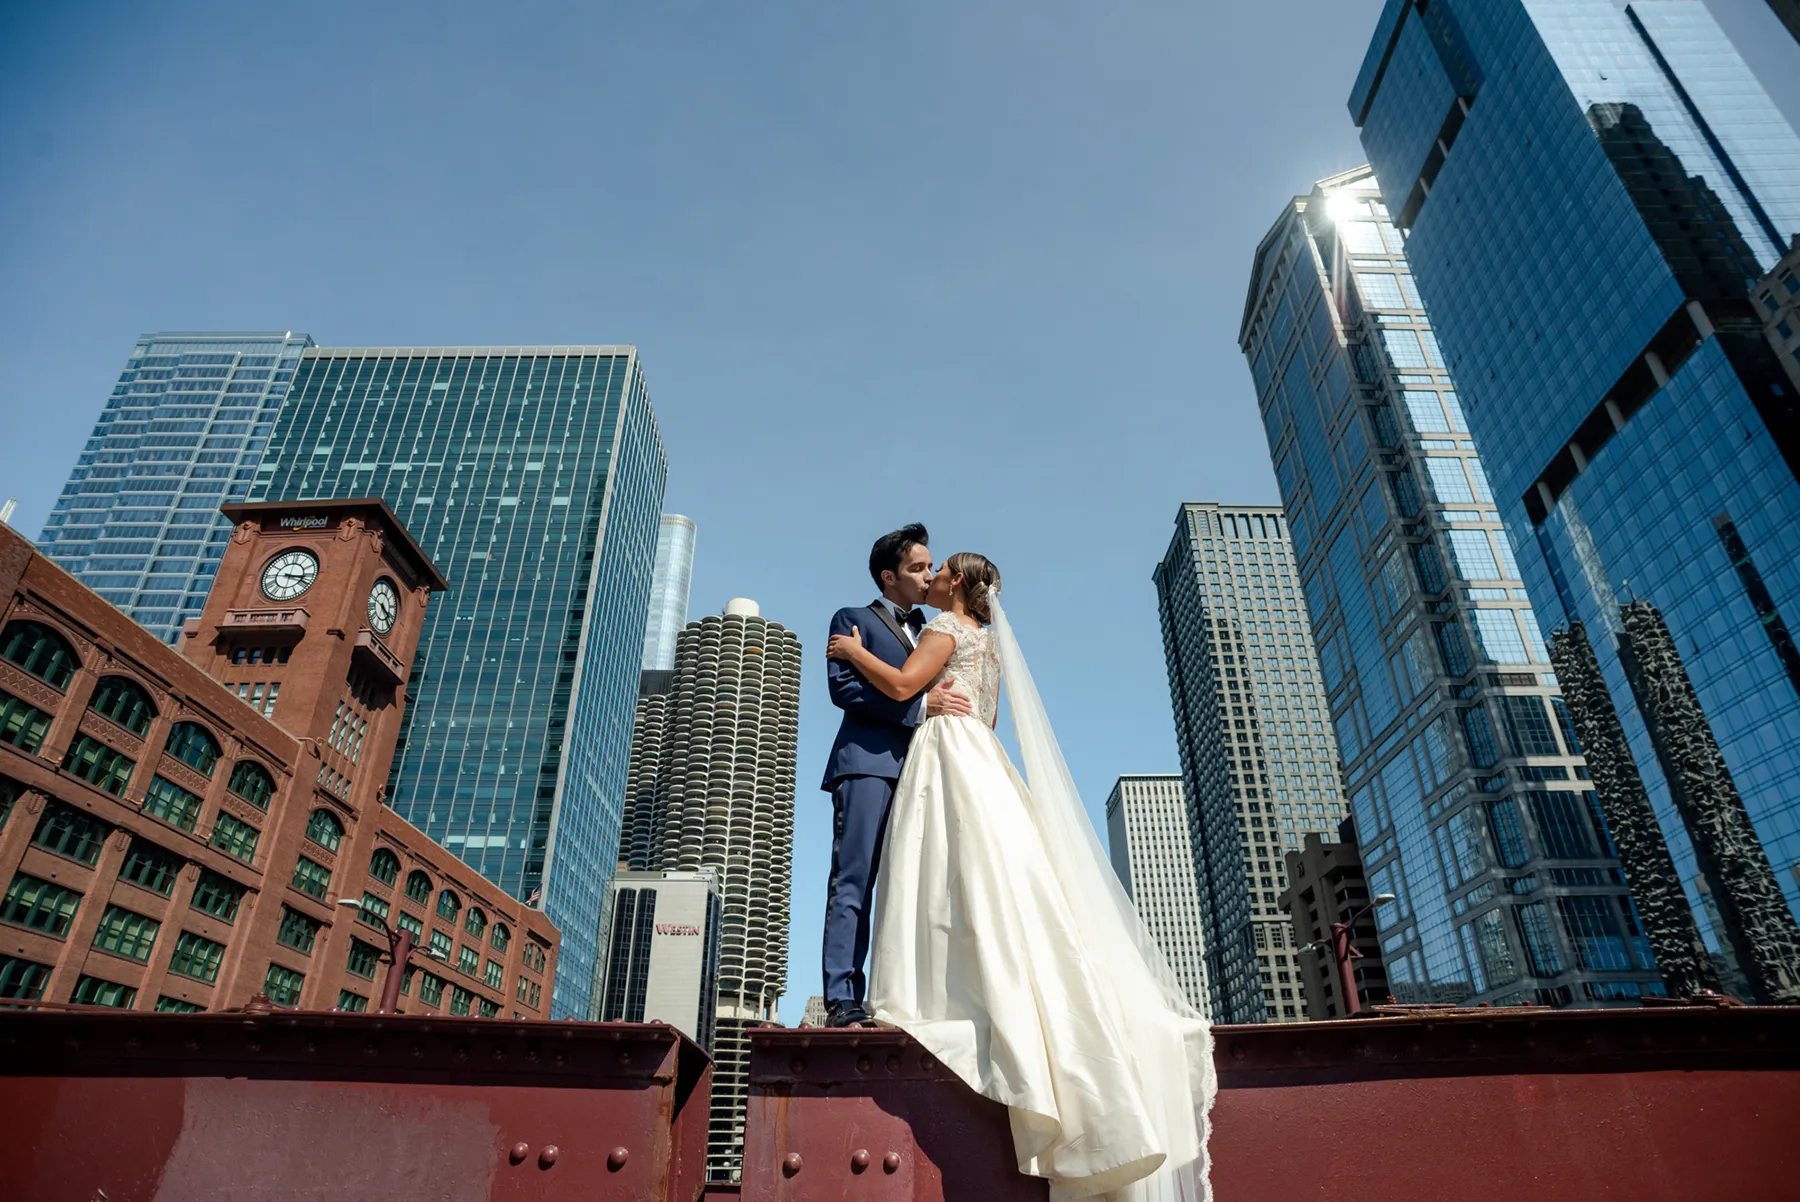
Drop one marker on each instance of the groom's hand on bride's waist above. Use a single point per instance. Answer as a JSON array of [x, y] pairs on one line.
[[943, 702]]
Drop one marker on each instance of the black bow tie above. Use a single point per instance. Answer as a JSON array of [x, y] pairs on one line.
[[915, 618]]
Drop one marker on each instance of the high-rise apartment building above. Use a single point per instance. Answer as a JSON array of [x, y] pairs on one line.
[[662, 959], [669, 586], [717, 795], [1588, 190], [1470, 794], [534, 477], [1259, 759], [1147, 838], [1326, 885], [183, 431]]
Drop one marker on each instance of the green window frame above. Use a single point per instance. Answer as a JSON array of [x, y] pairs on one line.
[[235, 838], [39, 905], [72, 833], [384, 866], [489, 1009], [98, 764], [193, 745], [352, 1003], [10, 791], [171, 803], [150, 867], [123, 702], [448, 905], [174, 1005], [252, 782], [127, 933], [475, 922], [297, 930], [22, 724], [440, 947], [460, 1000], [22, 979], [406, 922], [374, 910], [197, 956], [495, 975], [93, 991], [418, 886], [362, 959], [499, 937], [324, 829], [468, 960], [216, 895], [311, 877], [40, 651], [431, 989], [282, 985]]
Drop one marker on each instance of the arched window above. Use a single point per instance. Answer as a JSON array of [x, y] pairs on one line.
[[500, 937], [448, 905], [324, 829], [384, 866], [418, 886], [190, 743], [252, 782], [40, 651], [475, 922], [123, 701]]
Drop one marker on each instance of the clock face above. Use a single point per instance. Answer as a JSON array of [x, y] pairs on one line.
[[384, 604], [289, 574]]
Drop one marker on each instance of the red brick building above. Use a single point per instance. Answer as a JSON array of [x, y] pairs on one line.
[[178, 828]]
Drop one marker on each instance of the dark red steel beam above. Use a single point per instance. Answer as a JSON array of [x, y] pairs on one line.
[[294, 1106]]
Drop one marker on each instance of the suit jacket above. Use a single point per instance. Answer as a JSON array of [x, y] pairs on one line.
[[872, 739]]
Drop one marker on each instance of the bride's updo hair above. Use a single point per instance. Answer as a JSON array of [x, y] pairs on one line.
[[980, 578]]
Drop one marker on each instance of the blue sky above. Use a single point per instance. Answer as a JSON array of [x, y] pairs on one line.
[[978, 264]]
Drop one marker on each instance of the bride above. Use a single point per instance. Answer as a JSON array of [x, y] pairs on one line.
[[1003, 942]]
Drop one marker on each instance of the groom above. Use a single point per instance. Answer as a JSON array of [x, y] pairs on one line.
[[866, 759]]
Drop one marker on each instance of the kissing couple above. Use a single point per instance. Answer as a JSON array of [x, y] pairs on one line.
[[1000, 940]]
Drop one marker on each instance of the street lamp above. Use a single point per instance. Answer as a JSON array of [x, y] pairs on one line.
[[400, 949], [1343, 951]]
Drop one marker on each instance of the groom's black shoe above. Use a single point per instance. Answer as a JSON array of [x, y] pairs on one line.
[[847, 1014]]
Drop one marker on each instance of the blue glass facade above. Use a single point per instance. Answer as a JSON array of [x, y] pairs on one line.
[[669, 588], [182, 433], [534, 479], [1465, 779], [1588, 189]]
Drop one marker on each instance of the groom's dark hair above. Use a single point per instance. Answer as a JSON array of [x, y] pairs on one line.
[[890, 549]]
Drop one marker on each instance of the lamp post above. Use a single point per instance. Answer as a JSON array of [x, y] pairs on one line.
[[400, 950], [1343, 951]]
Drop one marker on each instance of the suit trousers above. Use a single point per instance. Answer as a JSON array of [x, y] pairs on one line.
[[859, 825]]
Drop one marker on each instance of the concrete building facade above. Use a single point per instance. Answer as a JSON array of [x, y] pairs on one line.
[[1326, 885], [1147, 838], [179, 828], [662, 958]]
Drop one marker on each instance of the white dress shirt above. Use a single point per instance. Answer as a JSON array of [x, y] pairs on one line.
[[906, 634]]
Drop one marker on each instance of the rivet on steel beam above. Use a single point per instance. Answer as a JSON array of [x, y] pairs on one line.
[[548, 1156], [891, 1162], [615, 1159], [893, 1064], [624, 1056], [790, 1164], [859, 1160], [561, 1058], [796, 1066], [927, 1062], [134, 1043], [1237, 1051], [864, 1064], [417, 1051], [519, 1152]]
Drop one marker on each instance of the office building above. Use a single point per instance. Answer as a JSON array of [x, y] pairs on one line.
[[1147, 838], [1589, 191], [669, 585], [534, 476], [815, 1014], [1259, 760], [1467, 784], [1326, 885], [1777, 295], [179, 830], [662, 960], [717, 796], [183, 431]]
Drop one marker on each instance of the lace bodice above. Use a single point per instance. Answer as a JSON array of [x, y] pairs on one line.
[[974, 666]]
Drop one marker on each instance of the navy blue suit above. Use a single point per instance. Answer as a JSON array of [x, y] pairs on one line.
[[861, 773]]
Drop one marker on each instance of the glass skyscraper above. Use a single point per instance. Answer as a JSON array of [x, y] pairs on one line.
[[1587, 189], [533, 477], [182, 433], [1470, 796], [1258, 757], [669, 588]]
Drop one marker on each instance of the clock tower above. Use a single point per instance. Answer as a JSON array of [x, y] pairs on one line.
[[314, 619]]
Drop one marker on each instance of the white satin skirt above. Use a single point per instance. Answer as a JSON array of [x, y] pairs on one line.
[[976, 955]]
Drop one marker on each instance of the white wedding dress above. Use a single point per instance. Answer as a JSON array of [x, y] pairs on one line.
[[1004, 944]]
